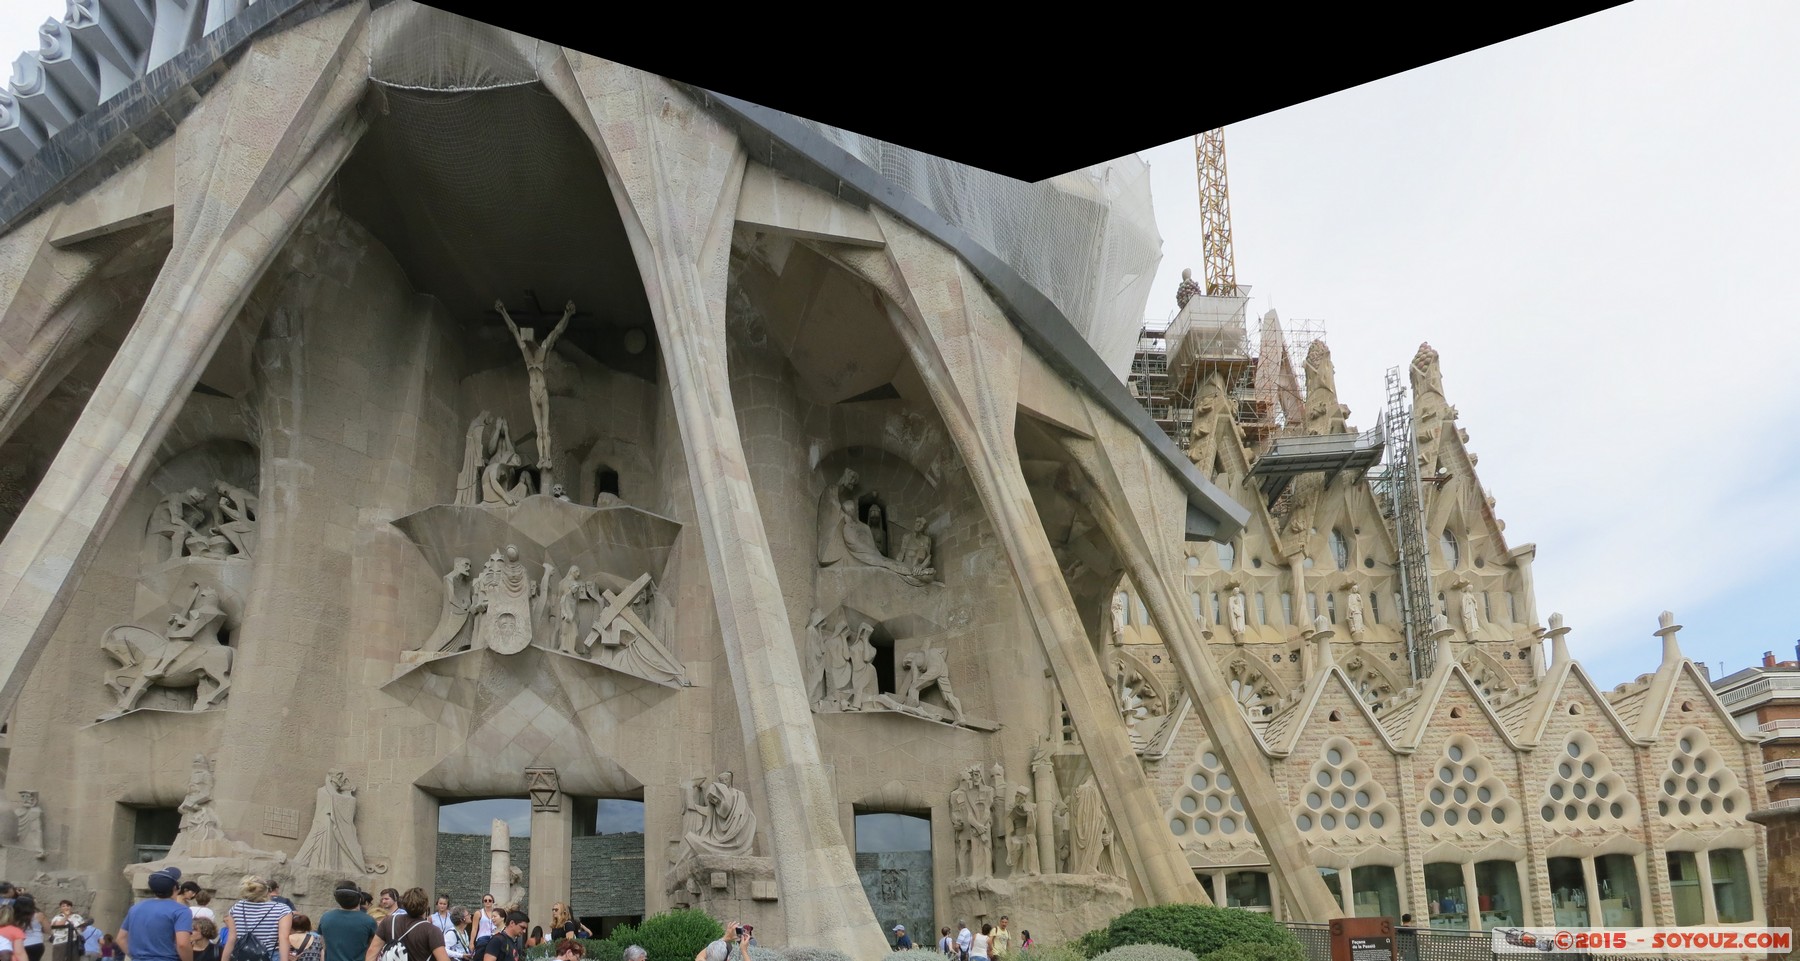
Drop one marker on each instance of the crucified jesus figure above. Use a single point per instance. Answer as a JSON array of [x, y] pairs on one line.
[[534, 368]]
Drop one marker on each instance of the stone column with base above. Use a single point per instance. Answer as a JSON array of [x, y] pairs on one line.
[[552, 834]]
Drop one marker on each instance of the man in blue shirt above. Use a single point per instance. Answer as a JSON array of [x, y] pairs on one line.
[[275, 894], [161, 928]]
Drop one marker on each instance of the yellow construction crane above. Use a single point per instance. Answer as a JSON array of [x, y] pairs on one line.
[[1215, 213]]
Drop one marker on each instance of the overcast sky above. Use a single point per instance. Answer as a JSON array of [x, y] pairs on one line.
[[1595, 225]]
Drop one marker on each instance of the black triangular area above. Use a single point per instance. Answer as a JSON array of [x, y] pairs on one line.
[[210, 391], [884, 392]]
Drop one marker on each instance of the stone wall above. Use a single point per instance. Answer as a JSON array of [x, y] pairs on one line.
[[607, 869], [1781, 898]]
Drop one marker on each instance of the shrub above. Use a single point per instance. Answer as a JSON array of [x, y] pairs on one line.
[[1091, 944], [601, 950], [914, 954], [760, 953], [1146, 952], [1052, 952], [1258, 951], [1198, 929], [814, 954], [671, 936]]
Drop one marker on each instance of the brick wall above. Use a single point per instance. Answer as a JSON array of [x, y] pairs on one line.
[[607, 874], [1781, 896]]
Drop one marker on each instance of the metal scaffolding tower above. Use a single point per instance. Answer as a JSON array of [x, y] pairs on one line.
[[1405, 505]]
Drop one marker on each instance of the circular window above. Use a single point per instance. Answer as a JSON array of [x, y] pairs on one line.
[[1474, 815], [1602, 789], [1315, 800], [1451, 816], [1324, 779], [1594, 811], [1693, 785], [1700, 764], [1570, 811], [1209, 759], [1686, 745], [1678, 765], [1574, 749], [1587, 770], [1193, 563], [1362, 799], [1256, 562], [1224, 781], [1368, 562], [1352, 820], [1437, 795], [1662, 808], [1376, 820], [1480, 561], [1729, 805], [1237, 804], [1580, 790], [1202, 826], [1455, 753], [1484, 795], [1469, 774], [1565, 770], [1446, 774], [1338, 800], [1189, 804], [1228, 825], [1334, 756], [1684, 807], [1556, 791], [1618, 810], [1462, 795], [1669, 786], [1328, 821], [1178, 827], [1706, 805], [1712, 784], [1213, 803], [1347, 779], [1499, 815], [1199, 782]]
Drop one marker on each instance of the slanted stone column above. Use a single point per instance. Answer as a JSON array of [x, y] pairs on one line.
[[968, 356], [676, 174], [552, 833], [1306, 893], [254, 156]]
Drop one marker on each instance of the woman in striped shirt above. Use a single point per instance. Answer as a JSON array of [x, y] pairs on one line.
[[269, 922]]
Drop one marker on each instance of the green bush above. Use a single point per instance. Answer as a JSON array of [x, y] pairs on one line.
[[1258, 951], [814, 954], [602, 950], [1199, 929], [1091, 944], [1147, 952], [669, 936], [914, 954], [1052, 952]]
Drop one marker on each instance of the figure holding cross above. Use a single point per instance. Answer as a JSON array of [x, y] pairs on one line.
[[534, 368]]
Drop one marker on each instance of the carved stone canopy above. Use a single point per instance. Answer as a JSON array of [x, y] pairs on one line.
[[545, 789]]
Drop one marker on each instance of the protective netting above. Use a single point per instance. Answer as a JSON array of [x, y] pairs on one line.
[[1086, 239]]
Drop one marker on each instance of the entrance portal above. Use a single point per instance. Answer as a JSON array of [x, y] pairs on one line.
[[893, 861]]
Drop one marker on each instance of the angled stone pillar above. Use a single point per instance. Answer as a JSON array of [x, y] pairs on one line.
[[968, 356], [676, 174], [1218, 710], [37, 282], [254, 156]]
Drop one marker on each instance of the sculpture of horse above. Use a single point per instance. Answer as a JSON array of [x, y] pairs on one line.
[[204, 666]]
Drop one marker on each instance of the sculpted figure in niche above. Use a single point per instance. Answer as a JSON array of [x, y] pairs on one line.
[[175, 517], [859, 543], [816, 684], [534, 370], [188, 654], [560, 492], [1470, 619], [878, 527], [916, 546], [453, 620], [1087, 816], [331, 845], [239, 521], [1235, 607], [831, 518], [862, 668], [198, 822], [1354, 614], [837, 665], [925, 669], [500, 481], [31, 824], [1120, 613], [1021, 836], [727, 825], [971, 820], [476, 450], [570, 592]]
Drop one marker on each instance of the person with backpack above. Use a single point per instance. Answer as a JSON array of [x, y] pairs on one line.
[[408, 934], [305, 944], [508, 944], [259, 926], [348, 931]]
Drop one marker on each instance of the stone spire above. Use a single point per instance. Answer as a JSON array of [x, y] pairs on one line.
[[1671, 654]]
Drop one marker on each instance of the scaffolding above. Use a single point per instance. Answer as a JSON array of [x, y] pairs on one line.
[[1211, 335], [1398, 486]]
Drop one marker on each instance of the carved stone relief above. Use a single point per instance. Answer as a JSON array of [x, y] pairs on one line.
[[332, 845], [216, 526], [188, 653]]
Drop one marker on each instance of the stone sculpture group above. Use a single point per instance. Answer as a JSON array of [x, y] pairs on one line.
[[189, 653], [215, 527], [848, 539]]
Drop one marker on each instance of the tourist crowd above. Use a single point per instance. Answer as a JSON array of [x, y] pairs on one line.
[[991, 944]]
